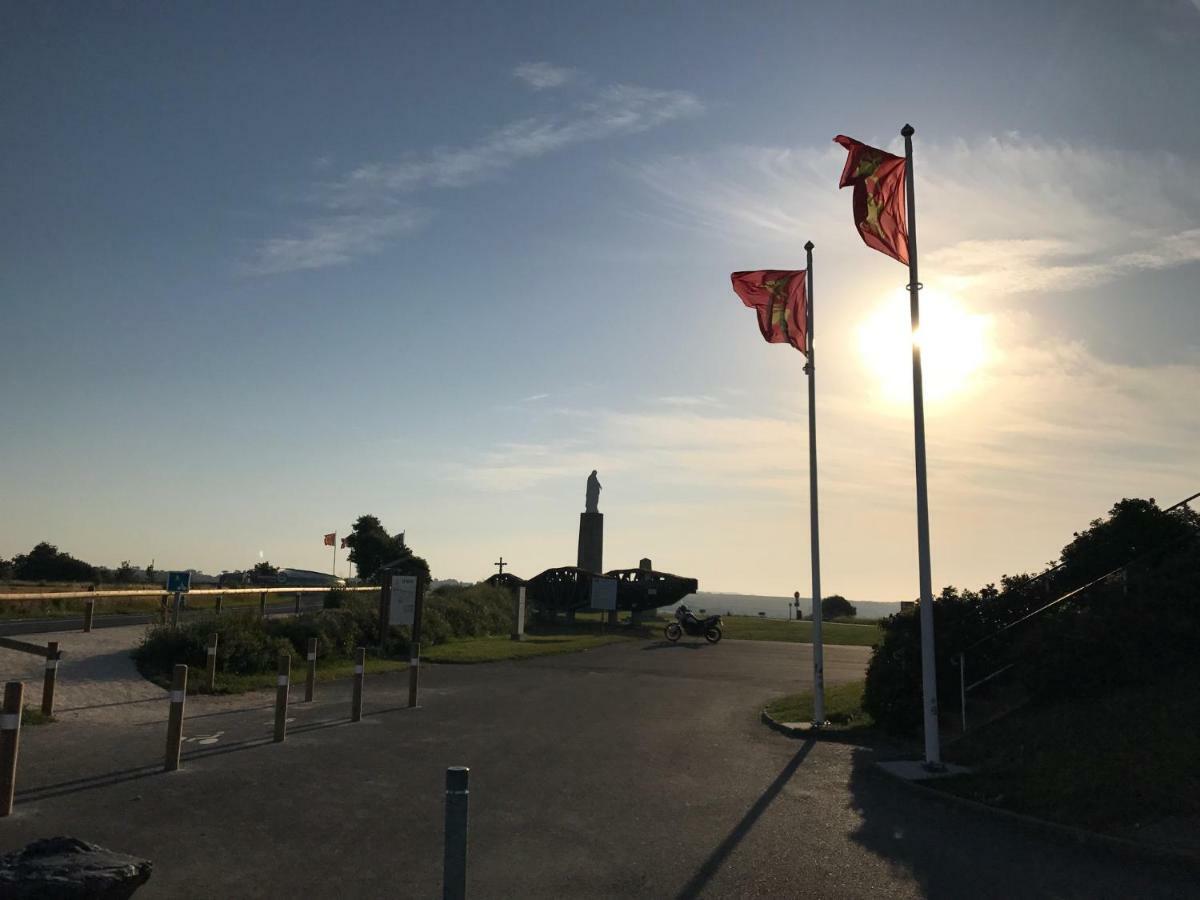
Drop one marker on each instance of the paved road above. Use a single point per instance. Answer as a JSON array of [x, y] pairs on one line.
[[633, 770]]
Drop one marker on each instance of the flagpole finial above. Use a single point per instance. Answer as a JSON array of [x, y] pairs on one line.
[[907, 131], [809, 246]]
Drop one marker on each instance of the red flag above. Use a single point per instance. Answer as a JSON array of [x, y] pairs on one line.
[[878, 180], [330, 538], [344, 544], [779, 298]]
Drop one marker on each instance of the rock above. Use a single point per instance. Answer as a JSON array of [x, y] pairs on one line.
[[65, 867]]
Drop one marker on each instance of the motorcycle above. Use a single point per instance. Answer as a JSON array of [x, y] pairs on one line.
[[688, 623]]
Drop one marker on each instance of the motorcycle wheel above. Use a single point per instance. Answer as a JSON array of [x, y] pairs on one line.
[[673, 632], [713, 635]]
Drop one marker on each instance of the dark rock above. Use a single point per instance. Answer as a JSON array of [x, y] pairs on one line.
[[64, 867]]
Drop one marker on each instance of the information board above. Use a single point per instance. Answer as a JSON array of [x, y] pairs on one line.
[[604, 593], [179, 582], [402, 600]]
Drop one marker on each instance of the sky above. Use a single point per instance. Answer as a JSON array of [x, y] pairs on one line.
[[267, 267]]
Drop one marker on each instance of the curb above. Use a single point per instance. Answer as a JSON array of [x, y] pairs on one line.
[[1068, 833], [824, 734]]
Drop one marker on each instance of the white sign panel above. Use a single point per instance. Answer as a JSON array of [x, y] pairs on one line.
[[402, 600], [604, 593]]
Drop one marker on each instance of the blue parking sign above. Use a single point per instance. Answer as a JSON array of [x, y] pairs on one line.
[[179, 582]]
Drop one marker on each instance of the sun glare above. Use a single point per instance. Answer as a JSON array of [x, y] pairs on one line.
[[955, 344]]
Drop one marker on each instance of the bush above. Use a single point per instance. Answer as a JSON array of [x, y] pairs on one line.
[[249, 645]]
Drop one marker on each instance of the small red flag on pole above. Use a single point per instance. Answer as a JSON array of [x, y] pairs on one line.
[[331, 539]]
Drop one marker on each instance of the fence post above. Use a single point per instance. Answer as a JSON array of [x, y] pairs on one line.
[[175, 717], [162, 609], [414, 674], [454, 859], [220, 602], [89, 614], [211, 672], [10, 743], [281, 696], [360, 667], [175, 609], [518, 630], [262, 605], [298, 596], [311, 682], [52, 655]]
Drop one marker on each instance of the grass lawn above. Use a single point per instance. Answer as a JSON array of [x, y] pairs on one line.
[[843, 707], [495, 649], [753, 628], [1106, 764]]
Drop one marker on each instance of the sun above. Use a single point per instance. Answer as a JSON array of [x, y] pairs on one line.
[[955, 346]]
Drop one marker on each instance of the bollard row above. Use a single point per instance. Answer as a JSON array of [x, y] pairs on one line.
[[10, 723]]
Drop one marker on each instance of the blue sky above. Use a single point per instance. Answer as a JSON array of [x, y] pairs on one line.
[[268, 267]]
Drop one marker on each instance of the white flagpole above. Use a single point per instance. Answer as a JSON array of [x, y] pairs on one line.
[[333, 571], [933, 753], [814, 527]]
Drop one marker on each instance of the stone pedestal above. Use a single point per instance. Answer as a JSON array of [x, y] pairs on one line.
[[591, 542]]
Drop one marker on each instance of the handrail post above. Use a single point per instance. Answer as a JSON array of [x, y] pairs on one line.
[[962, 687], [52, 656]]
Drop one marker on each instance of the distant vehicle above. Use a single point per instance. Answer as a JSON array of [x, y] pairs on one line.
[[688, 623]]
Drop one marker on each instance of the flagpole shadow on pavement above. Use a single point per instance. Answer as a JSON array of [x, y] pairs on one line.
[[716, 859]]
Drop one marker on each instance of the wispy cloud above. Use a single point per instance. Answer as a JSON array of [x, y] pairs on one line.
[[542, 75], [358, 210], [333, 241], [614, 111], [690, 400], [1010, 214]]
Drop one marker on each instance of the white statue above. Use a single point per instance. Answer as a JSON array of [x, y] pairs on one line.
[[593, 493]]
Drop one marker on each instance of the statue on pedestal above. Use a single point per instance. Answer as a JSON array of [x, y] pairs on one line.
[[593, 493]]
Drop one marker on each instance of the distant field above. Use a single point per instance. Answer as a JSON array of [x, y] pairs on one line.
[[753, 628]]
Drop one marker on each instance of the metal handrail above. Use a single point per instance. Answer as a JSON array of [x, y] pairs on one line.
[[91, 595]]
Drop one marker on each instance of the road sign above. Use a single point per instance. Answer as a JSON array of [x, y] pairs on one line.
[[179, 582], [604, 593], [402, 600]]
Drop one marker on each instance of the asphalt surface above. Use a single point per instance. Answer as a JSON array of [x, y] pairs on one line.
[[635, 770]]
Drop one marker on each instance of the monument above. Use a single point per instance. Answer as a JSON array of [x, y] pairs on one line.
[[591, 529]]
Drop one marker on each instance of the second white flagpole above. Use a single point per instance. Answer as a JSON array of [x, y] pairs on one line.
[[814, 527]]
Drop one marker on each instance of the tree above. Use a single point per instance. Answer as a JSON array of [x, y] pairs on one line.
[[150, 572], [371, 547], [45, 562], [835, 606], [265, 568], [6, 568], [125, 573]]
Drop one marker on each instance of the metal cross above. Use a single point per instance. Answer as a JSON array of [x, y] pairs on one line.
[[500, 565]]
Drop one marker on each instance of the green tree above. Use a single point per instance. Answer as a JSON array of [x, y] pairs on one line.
[[372, 547], [265, 568], [836, 606], [45, 562], [125, 573]]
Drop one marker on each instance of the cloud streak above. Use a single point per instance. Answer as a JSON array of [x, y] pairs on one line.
[[358, 211], [543, 75]]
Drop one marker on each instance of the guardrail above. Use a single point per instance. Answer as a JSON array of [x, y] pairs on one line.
[[160, 592]]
